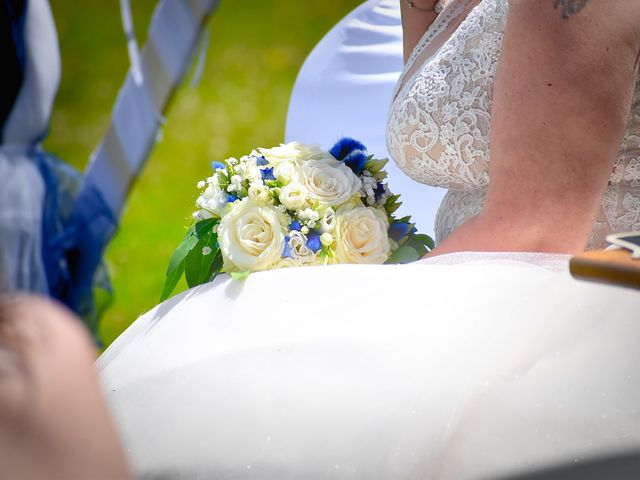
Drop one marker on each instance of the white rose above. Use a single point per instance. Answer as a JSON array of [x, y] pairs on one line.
[[286, 172], [258, 191], [328, 220], [329, 181], [251, 237], [248, 169], [293, 151], [293, 196], [212, 200], [361, 236], [298, 244], [299, 250]]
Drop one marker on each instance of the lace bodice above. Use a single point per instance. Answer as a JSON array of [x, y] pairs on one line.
[[439, 120]]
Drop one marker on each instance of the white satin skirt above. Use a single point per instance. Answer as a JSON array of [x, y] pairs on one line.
[[464, 366]]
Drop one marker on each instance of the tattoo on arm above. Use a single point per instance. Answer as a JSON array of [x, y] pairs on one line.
[[569, 7]]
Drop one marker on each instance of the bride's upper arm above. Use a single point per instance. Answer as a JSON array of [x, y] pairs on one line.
[[561, 102]]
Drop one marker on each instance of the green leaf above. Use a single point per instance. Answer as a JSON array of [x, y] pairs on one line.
[[204, 227], [197, 265], [171, 280], [374, 165], [391, 200], [392, 204], [176, 264], [223, 180], [237, 276], [216, 266], [193, 264], [392, 208], [273, 183], [404, 254], [422, 239], [420, 243], [176, 268]]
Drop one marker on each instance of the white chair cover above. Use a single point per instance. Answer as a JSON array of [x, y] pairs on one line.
[[137, 115], [344, 89], [73, 262]]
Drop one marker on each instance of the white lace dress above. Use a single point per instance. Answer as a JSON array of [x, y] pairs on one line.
[[466, 366], [439, 122]]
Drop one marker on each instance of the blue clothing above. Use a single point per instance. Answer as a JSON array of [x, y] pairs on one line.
[[52, 241]]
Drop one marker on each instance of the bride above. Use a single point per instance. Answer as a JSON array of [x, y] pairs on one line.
[[463, 365]]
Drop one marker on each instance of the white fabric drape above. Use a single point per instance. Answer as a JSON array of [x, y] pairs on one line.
[[463, 367]]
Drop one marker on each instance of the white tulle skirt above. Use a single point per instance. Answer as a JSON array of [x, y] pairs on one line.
[[464, 366]]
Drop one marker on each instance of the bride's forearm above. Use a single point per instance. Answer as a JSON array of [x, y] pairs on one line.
[[548, 176], [512, 234], [415, 21], [472, 236]]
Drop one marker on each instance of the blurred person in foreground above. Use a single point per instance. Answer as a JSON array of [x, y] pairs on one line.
[[54, 422]]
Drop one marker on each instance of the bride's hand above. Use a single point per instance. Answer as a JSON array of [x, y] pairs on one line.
[[415, 21], [563, 93]]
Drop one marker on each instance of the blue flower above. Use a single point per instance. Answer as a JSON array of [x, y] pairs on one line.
[[356, 160], [231, 198], [286, 251], [267, 174], [379, 191], [313, 241], [218, 166], [398, 230], [261, 161], [345, 146], [295, 225]]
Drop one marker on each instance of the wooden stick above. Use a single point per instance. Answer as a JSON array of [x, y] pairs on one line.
[[609, 266]]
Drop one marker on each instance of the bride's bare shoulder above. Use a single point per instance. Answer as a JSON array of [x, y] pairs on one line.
[[622, 16], [595, 31]]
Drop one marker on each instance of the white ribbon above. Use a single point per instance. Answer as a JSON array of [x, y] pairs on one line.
[[202, 56], [132, 43]]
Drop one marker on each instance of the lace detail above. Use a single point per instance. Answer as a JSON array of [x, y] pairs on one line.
[[457, 207], [438, 27], [439, 122]]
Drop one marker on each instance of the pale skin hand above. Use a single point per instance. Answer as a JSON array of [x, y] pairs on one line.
[[561, 101], [414, 23], [54, 422]]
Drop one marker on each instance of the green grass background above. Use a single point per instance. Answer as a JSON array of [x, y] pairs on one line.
[[255, 51]]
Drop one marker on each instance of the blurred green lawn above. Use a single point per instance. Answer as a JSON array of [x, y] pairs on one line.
[[255, 52]]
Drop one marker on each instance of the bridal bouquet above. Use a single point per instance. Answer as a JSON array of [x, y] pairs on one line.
[[294, 205]]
